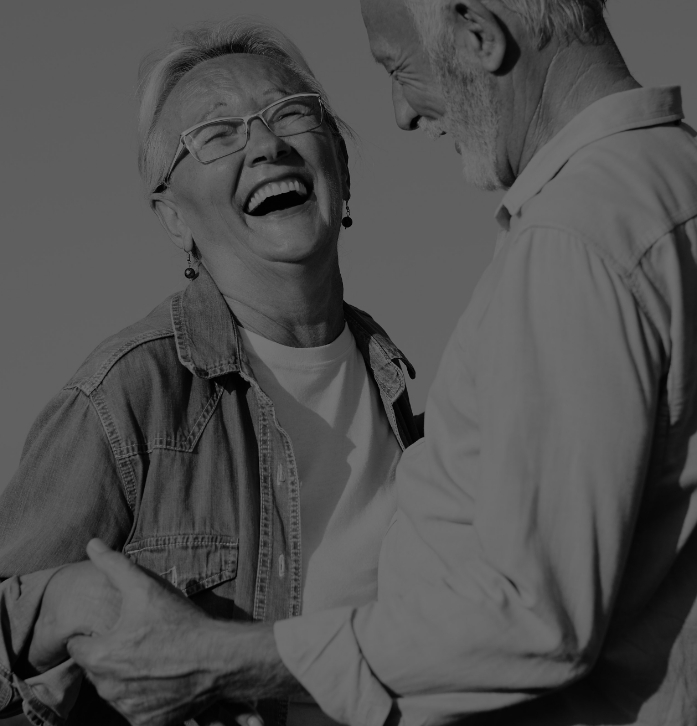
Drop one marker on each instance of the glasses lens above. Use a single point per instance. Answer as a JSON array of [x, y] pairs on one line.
[[294, 116], [216, 139]]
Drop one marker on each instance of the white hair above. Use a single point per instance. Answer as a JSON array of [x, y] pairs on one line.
[[163, 69], [544, 19]]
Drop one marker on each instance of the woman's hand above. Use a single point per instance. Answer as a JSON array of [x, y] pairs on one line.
[[79, 600], [165, 660]]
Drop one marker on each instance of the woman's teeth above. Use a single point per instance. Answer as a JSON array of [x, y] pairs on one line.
[[273, 189]]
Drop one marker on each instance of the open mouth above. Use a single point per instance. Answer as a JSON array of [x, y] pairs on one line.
[[278, 196]]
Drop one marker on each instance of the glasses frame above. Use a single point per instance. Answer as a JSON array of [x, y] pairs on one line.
[[182, 148]]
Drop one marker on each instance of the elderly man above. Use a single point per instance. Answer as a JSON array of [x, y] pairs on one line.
[[540, 569]]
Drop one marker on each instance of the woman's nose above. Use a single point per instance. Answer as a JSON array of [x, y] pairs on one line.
[[263, 145], [405, 116]]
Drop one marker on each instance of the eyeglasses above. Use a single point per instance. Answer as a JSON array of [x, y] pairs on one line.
[[211, 140]]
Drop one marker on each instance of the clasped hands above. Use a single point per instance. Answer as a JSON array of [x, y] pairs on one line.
[[150, 652]]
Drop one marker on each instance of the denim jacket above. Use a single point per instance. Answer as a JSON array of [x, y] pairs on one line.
[[165, 446]]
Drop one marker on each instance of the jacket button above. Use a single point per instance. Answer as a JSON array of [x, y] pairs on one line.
[[281, 566]]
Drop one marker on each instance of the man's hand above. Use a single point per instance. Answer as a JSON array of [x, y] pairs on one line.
[[161, 662], [79, 600]]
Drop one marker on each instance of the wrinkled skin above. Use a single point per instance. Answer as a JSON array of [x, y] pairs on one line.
[[79, 600], [159, 663]]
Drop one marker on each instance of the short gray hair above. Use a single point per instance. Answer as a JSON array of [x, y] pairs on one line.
[[163, 69], [544, 19]]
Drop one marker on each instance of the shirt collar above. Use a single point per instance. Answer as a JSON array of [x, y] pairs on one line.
[[209, 344], [635, 109]]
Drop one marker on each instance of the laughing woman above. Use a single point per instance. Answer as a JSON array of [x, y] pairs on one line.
[[240, 440]]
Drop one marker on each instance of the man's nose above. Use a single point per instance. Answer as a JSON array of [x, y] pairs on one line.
[[264, 145], [405, 116]]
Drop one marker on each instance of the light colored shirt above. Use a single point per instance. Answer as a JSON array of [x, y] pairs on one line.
[[544, 553], [346, 455]]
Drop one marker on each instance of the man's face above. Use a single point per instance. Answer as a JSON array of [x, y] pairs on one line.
[[439, 96], [395, 44]]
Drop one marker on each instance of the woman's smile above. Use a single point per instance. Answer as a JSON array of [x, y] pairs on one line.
[[278, 197]]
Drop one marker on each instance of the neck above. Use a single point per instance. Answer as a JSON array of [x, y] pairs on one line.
[[574, 76], [294, 304]]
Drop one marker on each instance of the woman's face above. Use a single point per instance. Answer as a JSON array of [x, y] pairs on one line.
[[212, 201]]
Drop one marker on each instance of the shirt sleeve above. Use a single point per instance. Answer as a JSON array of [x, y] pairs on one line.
[[66, 491], [566, 376]]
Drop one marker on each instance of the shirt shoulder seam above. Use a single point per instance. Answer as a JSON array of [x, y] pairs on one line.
[[625, 273]]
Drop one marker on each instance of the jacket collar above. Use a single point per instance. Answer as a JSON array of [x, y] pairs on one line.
[[639, 108], [204, 330], [209, 345]]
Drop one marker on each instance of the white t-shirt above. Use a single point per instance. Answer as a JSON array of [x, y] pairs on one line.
[[346, 455]]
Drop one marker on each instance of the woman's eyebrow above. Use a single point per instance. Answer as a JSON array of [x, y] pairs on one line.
[[270, 94]]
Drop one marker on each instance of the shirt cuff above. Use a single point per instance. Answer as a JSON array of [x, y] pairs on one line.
[[322, 652]]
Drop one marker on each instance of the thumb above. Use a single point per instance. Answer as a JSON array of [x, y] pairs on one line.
[[119, 570], [79, 648]]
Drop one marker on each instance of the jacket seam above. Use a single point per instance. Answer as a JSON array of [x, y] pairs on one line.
[[193, 539], [375, 333], [204, 417], [265, 553], [123, 467], [88, 385]]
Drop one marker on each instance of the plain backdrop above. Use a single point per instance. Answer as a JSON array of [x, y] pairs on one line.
[[83, 256]]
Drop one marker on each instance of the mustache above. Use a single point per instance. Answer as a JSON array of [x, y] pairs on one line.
[[432, 128]]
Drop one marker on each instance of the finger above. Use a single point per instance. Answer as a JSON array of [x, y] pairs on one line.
[[228, 714], [120, 571]]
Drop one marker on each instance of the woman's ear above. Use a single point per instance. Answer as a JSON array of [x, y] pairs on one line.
[[171, 219], [345, 173], [478, 33]]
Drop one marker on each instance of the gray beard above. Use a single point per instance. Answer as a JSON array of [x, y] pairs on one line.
[[471, 118]]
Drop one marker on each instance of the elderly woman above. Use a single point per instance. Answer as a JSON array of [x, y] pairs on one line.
[[240, 440]]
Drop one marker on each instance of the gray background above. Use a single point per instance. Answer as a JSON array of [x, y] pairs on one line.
[[83, 256]]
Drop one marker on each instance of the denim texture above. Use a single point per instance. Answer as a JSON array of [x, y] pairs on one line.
[[164, 445]]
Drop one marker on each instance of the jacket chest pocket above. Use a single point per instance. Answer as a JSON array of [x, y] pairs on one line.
[[190, 562]]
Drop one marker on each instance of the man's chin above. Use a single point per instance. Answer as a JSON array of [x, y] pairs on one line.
[[480, 173]]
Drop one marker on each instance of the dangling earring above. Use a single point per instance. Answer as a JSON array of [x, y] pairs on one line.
[[190, 273], [346, 222]]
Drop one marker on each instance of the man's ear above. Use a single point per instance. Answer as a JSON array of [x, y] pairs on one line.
[[478, 31], [171, 219], [345, 173]]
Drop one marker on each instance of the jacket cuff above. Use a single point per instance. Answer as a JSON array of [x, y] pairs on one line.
[[48, 698], [37, 712], [322, 652], [8, 694]]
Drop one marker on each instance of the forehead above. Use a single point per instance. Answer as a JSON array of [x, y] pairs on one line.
[[390, 28], [228, 85]]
